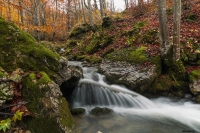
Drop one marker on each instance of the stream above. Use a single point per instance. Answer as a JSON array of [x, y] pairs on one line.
[[133, 113]]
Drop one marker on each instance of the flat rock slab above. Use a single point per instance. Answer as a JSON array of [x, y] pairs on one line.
[[133, 76]]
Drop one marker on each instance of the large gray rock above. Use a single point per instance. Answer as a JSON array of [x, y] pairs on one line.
[[195, 87], [65, 71], [133, 76]]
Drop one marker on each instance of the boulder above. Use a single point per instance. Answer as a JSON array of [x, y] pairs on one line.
[[77, 111], [134, 77], [101, 111], [47, 102]]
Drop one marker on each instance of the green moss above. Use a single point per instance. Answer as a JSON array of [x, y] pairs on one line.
[[44, 122], [195, 74], [178, 70], [140, 24], [106, 22], [33, 92], [192, 18], [157, 61], [131, 55], [107, 52], [90, 59], [42, 125], [66, 118], [19, 49], [79, 30], [2, 73], [97, 42], [170, 11], [162, 83], [72, 43], [198, 62], [151, 36]]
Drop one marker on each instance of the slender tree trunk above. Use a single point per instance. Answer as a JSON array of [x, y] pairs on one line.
[[90, 14], [176, 30], [163, 28], [95, 4], [68, 15], [9, 11], [38, 19], [21, 11], [126, 3], [76, 12], [83, 11], [102, 9]]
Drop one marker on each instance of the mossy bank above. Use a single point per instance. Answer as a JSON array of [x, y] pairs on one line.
[[20, 50]]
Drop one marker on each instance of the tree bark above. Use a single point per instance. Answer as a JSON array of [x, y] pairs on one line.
[[9, 11], [90, 14], [68, 15], [21, 11], [83, 11], [163, 28], [102, 9], [176, 30], [95, 4]]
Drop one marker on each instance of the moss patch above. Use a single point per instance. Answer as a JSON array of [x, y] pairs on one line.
[[195, 74], [42, 125], [162, 83], [66, 117], [131, 55], [34, 90], [19, 49], [90, 59], [79, 29]]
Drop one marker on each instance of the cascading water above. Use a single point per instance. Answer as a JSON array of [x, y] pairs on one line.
[[133, 112]]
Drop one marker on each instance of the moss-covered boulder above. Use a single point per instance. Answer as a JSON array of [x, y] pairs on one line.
[[101, 111], [19, 50], [52, 114], [77, 111]]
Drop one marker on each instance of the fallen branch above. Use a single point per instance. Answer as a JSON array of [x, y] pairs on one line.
[[20, 103]]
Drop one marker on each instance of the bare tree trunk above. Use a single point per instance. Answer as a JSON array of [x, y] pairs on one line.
[[112, 7], [104, 4], [126, 3], [90, 14], [43, 18], [83, 11], [102, 9], [76, 12], [68, 15], [176, 30], [21, 11], [9, 11], [38, 19], [163, 28], [95, 4]]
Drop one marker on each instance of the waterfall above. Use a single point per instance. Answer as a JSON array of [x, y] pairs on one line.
[[94, 91]]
